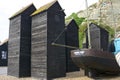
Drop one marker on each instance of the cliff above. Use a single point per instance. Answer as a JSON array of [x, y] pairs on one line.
[[105, 11]]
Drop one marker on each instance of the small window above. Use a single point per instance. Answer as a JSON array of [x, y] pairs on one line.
[[4, 55]]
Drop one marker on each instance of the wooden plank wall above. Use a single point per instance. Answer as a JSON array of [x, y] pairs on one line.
[[4, 59], [72, 39], [39, 46], [99, 37], [14, 46], [19, 62], [48, 61], [56, 54]]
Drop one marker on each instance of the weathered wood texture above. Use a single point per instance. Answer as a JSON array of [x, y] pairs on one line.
[[99, 37], [19, 45], [71, 38], [39, 46], [48, 61], [4, 54]]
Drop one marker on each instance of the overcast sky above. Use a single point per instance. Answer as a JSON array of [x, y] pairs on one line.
[[9, 7]]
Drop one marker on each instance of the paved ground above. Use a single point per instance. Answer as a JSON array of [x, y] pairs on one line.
[[79, 75], [3, 70]]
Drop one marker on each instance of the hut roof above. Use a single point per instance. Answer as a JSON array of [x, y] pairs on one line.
[[98, 26], [68, 22], [71, 21], [20, 11], [6, 40], [43, 8]]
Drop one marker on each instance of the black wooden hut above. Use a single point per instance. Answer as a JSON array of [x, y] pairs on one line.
[[4, 53], [48, 61], [71, 38], [19, 44], [99, 37]]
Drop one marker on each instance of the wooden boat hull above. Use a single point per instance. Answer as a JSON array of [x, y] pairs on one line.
[[101, 61]]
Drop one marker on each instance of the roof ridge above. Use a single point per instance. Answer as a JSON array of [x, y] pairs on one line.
[[3, 42], [44, 7], [68, 21], [21, 10]]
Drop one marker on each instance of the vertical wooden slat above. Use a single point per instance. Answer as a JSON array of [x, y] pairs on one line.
[[19, 45], [99, 37], [48, 61], [72, 39], [39, 47]]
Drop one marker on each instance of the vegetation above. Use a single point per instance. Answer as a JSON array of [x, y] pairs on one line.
[[94, 5], [78, 21], [81, 22], [76, 18], [107, 28], [118, 28]]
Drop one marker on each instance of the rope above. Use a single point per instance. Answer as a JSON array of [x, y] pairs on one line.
[[62, 45], [59, 35]]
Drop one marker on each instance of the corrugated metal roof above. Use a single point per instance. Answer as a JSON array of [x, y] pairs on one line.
[[20, 11], [43, 8]]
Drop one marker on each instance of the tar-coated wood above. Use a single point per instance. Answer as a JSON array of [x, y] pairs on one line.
[[71, 38], [48, 61], [4, 54], [99, 37], [19, 44]]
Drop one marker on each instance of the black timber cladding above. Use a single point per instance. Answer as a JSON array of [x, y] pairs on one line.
[[99, 37], [48, 61], [71, 38], [4, 53], [19, 44]]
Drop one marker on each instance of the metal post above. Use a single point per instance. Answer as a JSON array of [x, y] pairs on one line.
[[89, 42]]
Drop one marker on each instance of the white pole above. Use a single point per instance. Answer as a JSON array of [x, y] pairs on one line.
[[89, 42]]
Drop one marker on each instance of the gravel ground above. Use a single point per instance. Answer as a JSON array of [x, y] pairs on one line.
[[79, 75]]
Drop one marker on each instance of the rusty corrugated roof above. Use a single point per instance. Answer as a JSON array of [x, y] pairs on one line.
[[43, 8]]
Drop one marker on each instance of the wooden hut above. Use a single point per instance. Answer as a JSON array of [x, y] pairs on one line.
[[19, 44], [71, 39], [99, 37], [4, 53], [48, 61]]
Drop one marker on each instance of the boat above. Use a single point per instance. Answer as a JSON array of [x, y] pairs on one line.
[[95, 61]]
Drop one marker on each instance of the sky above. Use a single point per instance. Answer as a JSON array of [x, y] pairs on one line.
[[9, 7]]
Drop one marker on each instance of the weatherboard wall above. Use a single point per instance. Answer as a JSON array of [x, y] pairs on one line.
[[19, 44], [48, 61], [99, 37], [4, 54], [71, 36], [39, 46], [14, 46]]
